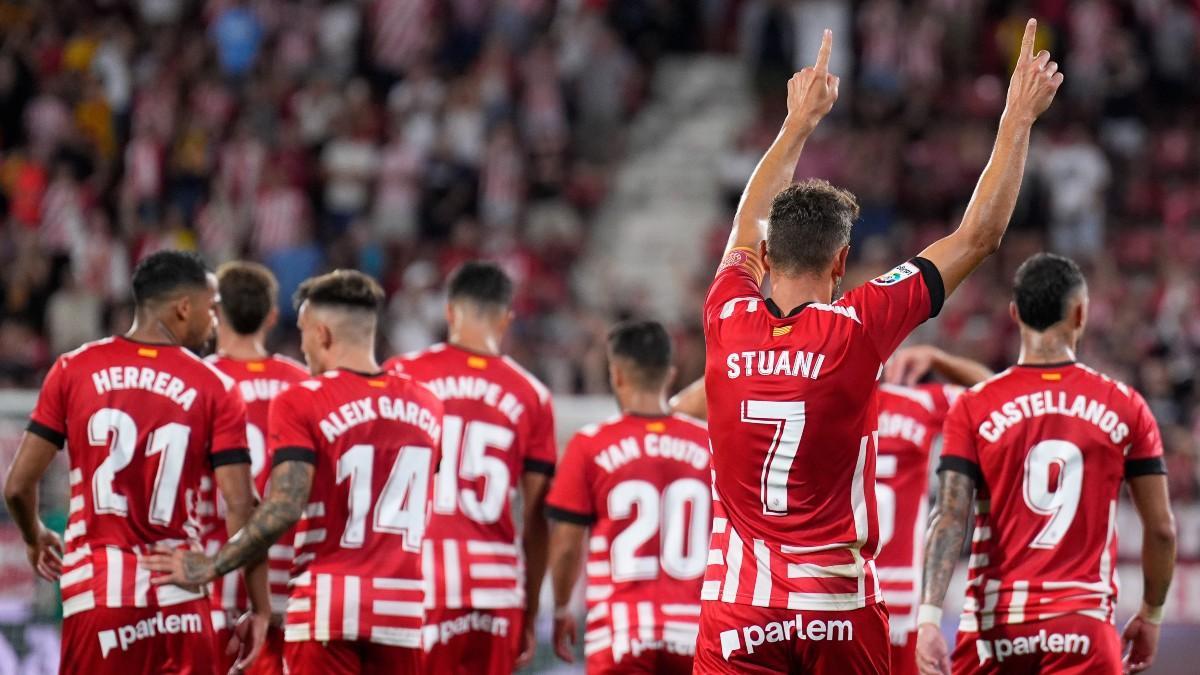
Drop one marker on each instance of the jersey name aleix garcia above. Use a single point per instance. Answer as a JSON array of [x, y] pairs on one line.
[[143, 424], [1048, 448], [374, 442], [643, 487], [499, 424], [793, 421]]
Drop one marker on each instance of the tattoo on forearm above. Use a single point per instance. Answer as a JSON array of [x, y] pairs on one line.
[[947, 530], [290, 486]]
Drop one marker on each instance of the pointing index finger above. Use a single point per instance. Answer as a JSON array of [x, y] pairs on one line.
[[822, 64], [1028, 39]]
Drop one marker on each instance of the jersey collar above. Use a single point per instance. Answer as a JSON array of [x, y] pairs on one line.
[[778, 313]]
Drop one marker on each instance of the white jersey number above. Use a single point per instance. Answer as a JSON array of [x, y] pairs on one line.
[[471, 442], [683, 551], [403, 502], [885, 497], [788, 419], [117, 430], [1060, 501]]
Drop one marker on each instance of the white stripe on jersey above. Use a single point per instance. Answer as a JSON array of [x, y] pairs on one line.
[[597, 612], [453, 574], [74, 531], [77, 556], [813, 571], [79, 603], [598, 593], [397, 637], [310, 537], [645, 612], [75, 477], [81, 573], [323, 607], [858, 495], [115, 562], [1016, 604], [598, 544], [598, 568], [495, 598], [297, 632], [762, 578], [75, 505], [426, 573], [141, 587], [398, 608], [733, 562], [388, 583], [680, 610], [620, 629], [491, 548], [299, 605], [350, 601], [493, 571]]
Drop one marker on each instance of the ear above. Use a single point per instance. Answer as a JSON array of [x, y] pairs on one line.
[[271, 320], [839, 261], [615, 377], [183, 307], [325, 335], [1012, 312], [762, 255], [507, 320], [672, 373], [1079, 314], [449, 313]]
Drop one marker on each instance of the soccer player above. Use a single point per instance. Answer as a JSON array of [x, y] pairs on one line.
[[143, 420], [246, 313], [483, 581], [791, 584], [353, 452], [640, 485], [1044, 447]]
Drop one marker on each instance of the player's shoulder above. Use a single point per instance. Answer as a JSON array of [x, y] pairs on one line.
[[399, 361], [289, 368], [689, 423], [918, 395], [1103, 381], [414, 388], [526, 379], [86, 351], [596, 430], [209, 374]]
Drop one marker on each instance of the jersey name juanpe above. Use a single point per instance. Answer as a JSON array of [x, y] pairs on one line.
[[258, 381], [793, 420], [499, 424], [373, 441], [642, 485], [143, 425], [1048, 448], [910, 419]]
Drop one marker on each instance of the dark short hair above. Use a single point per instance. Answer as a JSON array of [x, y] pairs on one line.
[[164, 273], [347, 289], [1042, 288], [809, 222], [647, 346], [248, 292], [484, 283]]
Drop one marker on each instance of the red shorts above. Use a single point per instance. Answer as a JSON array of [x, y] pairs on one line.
[[340, 657], [746, 639], [135, 640], [472, 641], [650, 661], [904, 657], [1071, 645]]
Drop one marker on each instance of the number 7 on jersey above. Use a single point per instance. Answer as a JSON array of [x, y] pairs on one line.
[[788, 419]]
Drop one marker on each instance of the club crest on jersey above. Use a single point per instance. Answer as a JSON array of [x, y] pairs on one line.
[[780, 331], [898, 274]]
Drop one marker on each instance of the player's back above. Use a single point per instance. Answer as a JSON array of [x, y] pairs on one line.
[[642, 486], [1049, 447], [373, 440], [498, 424], [143, 425]]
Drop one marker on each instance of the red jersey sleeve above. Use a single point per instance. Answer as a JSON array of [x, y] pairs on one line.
[[49, 417], [891, 305], [739, 276], [570, 498], [959, 452], [541, 453], [229, 444], [943, 396], [1145, 454], [291, 433]]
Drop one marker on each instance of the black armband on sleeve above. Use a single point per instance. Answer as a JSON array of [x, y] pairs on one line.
[[1149, 466], [55, 438], [539, 466], [229, 456], [933, 281], [555, 513], [959, 465], [294, 454]]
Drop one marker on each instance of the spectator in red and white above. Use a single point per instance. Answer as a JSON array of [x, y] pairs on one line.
[[62, 211], [398, 188], [240, 166], [280, 215], [502, 191], [349, 163], [315, 106], [143, 182], [401, 33]]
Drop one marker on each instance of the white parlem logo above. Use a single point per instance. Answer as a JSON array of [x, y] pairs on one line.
[[753, 637], [1041, 642], [897, 275], [128, 634]]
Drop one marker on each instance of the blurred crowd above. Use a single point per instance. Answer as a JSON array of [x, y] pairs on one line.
[[403, 136]]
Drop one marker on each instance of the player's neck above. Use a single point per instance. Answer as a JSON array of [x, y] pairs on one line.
[[1039, 349], [356, 360], [152, 330], [474, 337], [644, 403], [240, 347], [791, 292]]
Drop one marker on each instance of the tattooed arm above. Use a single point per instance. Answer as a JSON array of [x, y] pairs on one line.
[[947, 532]]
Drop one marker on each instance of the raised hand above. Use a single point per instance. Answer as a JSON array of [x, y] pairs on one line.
[[1035, 80], [812, 91]]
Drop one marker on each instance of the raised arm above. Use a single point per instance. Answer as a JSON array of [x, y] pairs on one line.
[[1034, 83], [811, 94], [1153, 506], [947, 532], [908, 365], [691, 400]]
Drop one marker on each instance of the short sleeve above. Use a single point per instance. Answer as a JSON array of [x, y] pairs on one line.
[[738, 278], [290, 437], [959, 452], [541, 451], [570, 498], [1145, 452], [229, 430], [49, 417], [891, 305]]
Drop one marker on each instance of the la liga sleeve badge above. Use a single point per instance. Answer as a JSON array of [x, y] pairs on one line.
[[896, 275]]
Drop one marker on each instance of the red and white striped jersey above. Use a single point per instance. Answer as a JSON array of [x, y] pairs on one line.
[[1032, 438], [795, 524], [373, 440], [642, 485], [499, 424], [910, 418], [258, 382], [143, 424]]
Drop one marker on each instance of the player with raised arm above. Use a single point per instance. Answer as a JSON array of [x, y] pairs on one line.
[[353, 452], [246, 313], [144, 421], [484, 580], [1043, 448], [791, 585], [639, 484]]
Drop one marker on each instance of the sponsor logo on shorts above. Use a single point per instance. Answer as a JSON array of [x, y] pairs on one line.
[[159, 624], [1043, 642], [475, 622], [751, 638], [898, 274]]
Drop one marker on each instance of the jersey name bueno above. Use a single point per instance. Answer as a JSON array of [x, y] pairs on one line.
[[1032, 438], [143, 424], [258, 381], [795, 521], [642, 486], [499, 424], [910, 418], [373, 441]]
